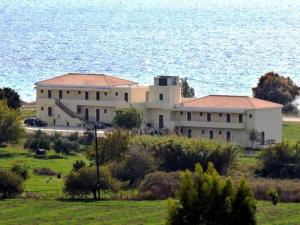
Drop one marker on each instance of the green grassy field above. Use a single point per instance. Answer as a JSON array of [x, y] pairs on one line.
[[25, 211], [291, 132]]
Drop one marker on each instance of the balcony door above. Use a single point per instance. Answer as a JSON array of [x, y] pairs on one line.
[[60, 94], [161, 121], [189, 116]]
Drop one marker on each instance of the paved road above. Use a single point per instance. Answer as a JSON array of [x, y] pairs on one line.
[[291, 119]]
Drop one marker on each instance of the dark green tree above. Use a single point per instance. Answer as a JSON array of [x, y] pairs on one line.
[[10, 124], [276, 88], [205, 198], [186, 90], [78, 164], [11, 97], [128, 118], [37, 140]]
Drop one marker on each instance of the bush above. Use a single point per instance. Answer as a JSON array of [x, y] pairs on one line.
[[207, 199], [137, 163], [78, 165], [179, 153], [128, 118], [21, 170], [65, 146], [274, 195], [160, 185], [84, 182], [45, 172], [280, 161], [10, 184], [38, 140], [87, 139]]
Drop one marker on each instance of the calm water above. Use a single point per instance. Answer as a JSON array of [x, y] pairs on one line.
[[222, 46]]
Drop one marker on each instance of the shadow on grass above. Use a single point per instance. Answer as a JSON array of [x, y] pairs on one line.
[[80, 200], [6, 155]]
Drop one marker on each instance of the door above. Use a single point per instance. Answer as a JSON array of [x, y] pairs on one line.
[[126, 97], [263, 138], [228, 118], [86, 114], [189, 133], [189, 116], [60, 94], [161, 121], [97, 115], [228, 136]]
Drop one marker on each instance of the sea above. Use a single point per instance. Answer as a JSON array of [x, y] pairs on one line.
[[221, 46]]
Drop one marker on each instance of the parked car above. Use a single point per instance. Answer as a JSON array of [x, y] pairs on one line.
[[32, 121]]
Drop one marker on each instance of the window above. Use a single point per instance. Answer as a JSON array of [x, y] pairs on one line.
[[161, 97], [228, 136], [105, 93], [181, 113], [97, 115], [42, 108], [49, 111], [220, 132], [68, 92], [42, 91], [79, 92], [86, 95], [189, 133], [228, 117], [126, 97], [105, 110], [201, 113], [116, 93], [202, 131], [189, 116], [97, 95], [161, 121], [60, 94], [208, 117], [220, 114], [211, 134], [240, 118], [181, 130], [78, 109], [49, 94], [250, 115]]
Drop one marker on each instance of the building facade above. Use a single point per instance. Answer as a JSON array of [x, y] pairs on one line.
[[70, 99]]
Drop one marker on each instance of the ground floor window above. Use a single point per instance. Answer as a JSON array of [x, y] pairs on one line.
[[49, 111], [189, 133], [211, 134], [228, 136]]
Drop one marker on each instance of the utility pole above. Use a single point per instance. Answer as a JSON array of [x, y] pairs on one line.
[[97, 162]]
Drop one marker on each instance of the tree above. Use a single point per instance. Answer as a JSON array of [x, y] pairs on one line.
[[38, 140], [78, 164], [65, 145], [276, 88], [11, 97], [186, 90], [84, 182], [10, 184], [111, 148], [21, 170], [10, 124], [208, 199], [254, 137], [128, 118]]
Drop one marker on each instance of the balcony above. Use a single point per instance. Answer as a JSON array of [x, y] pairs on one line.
[[205, 124]]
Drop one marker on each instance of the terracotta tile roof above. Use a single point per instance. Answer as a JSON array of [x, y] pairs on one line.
[[230, 102], [84, 80]]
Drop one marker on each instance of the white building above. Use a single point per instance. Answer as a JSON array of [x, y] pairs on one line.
[[72, 98]]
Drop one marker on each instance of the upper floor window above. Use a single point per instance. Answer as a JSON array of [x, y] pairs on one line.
[[105, 110], [126, 97], [86, 95], [181, 113], [208, 117], [201, 113], [105, 93], [79, 92], [60, 94], [49, 94], [220, 114], [42, 108], [116, 93], [68, 92], [97, 95], [42, 91], [189, 116], [250, 115], [240, 118], [228, 117], [161, 97]]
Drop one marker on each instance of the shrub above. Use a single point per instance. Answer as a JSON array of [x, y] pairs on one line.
[[137, 163], [274, 195], [207, 199], [128, 118], [45, 172], [10, 184], [280, 161], [84, 182], [38, 140], [87, 139], [78, 165], [65, 146], [179, 153], [160, 185], [21, 170]]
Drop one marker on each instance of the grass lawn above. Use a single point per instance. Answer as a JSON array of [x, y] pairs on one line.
[[11, 155], [24, 211], [291, 132]]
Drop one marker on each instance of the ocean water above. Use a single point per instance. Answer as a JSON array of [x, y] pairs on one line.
[[221, 46]]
